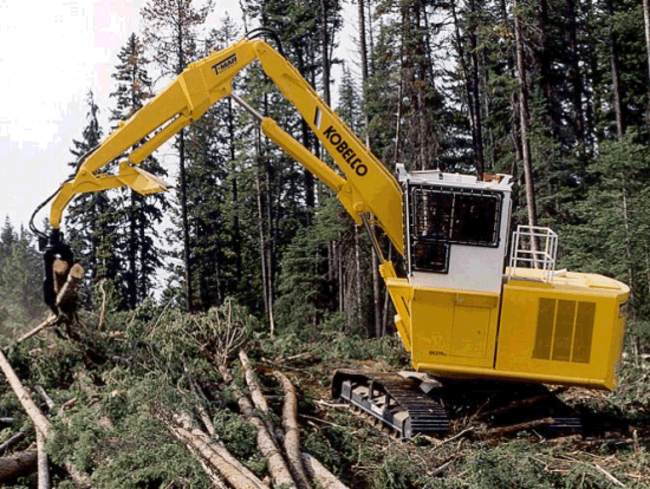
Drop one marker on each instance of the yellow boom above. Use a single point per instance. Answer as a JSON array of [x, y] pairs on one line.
[[366, 186]]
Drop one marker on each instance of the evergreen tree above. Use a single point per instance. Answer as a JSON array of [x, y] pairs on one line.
[[21, 301], [140, 215], [7, 240], [170, 30], [92, 221]]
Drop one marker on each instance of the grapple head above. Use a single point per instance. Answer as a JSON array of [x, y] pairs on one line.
[[55, 249]]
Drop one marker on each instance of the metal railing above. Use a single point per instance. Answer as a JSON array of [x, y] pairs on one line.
[[524, 241]]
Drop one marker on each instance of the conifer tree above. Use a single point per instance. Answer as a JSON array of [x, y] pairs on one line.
[[140, 215], [171, 31], [21, 302], [7, 239], [92, 221]]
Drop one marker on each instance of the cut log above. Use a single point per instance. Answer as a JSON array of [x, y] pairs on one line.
[[23, 396], [228, 471], [319, 473], [43, 469], [218, 448], [60, 270], [40, 422], [278, 469], [292, 431], [17, 465], [48, 400], [212, 474], [258, 397], [253, 385], [69, 290]]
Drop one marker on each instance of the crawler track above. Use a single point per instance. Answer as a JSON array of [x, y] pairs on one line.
[[407, 406], [398, 403]]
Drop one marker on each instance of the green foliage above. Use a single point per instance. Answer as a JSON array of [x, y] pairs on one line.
[[608, 228], [21, 305]]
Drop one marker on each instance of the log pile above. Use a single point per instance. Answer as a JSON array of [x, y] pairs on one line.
[[288, 466]]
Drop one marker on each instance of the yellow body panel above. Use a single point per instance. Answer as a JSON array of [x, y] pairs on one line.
[[567, 332], [451, 327], [571, 329]]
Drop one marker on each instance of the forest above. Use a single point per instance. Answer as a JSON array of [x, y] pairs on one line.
[[555, 93]]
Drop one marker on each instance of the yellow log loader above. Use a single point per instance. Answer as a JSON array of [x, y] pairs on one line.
[[475, 303]]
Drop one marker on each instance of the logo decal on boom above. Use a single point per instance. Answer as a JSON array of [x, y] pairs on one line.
[[221, 66], [346, 151]]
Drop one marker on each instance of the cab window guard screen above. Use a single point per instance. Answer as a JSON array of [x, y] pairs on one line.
[[443, 216]]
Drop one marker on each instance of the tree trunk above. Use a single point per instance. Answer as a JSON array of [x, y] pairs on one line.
[[646, 22], [470, 92], [189, 294], [477, 132], [366, 120], [616, 76], [277, 467], [236, 238], [524, 123], [229, 472], [574, 73], [39, 421], [69, 290], [292, 431], [17, 465], [43, 469], [319, 473]]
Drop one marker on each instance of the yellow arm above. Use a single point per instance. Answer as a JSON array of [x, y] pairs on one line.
[[368, 187]]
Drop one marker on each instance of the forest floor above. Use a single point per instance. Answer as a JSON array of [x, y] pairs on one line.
[[110, 378]]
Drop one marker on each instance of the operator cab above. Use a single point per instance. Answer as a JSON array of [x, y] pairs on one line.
[[456, 229]]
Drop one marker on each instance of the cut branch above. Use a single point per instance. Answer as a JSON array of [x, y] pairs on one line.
[[12, 441], [52, 320]]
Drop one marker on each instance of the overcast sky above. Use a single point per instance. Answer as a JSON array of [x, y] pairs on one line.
[[52, 52]]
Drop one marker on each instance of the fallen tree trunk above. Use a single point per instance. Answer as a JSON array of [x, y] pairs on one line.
[[214, 477], [278, 469], [291, 439], [229, 471], [253, 385], [258, 397], [319, 473], [218, 448], [40, 422], [43, 469], [17, 465]]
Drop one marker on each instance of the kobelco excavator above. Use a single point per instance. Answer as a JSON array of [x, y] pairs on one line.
[[461, 311]]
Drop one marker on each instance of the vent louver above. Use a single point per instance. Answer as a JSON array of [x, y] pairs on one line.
[[564, 330]]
